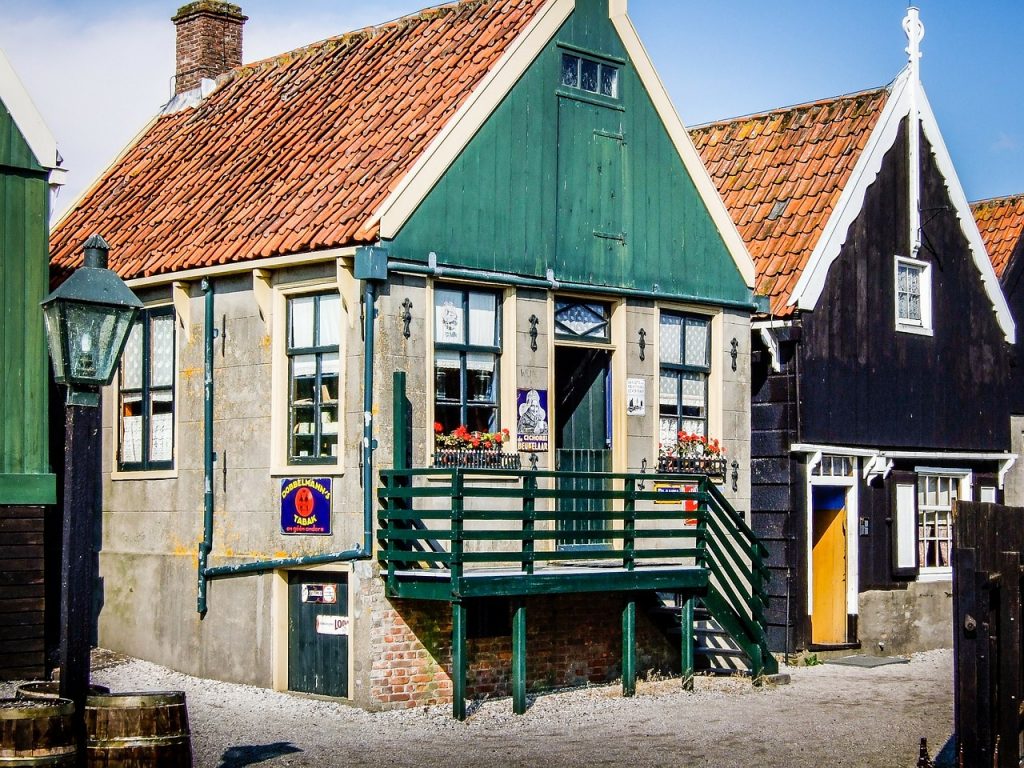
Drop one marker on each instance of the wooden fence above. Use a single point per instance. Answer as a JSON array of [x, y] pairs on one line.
[[988, 542]]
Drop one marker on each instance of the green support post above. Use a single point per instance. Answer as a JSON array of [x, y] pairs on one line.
[[458, 661], [686, 650], [519, 658], [629, 649]]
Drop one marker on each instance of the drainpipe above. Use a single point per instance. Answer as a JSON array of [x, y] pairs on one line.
[[206, 545], [371, 267], [431, 269]]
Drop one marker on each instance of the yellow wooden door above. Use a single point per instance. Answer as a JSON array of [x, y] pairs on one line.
[[828, 566]]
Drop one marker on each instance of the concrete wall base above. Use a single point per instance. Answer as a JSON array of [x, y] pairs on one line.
[[918, 618]]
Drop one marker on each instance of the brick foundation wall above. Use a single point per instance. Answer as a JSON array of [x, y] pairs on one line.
[[571, 640]]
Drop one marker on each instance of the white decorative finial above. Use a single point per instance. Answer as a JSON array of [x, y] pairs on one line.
[[914, 28]]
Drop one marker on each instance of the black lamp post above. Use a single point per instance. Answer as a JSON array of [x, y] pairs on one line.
[[88, 319]]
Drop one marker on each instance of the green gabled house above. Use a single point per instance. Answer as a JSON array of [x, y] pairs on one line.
[[456, 289], [29, 169]]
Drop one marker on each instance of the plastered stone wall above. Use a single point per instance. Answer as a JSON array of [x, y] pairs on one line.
[[900, 622], [1013, 491], [152, 525]]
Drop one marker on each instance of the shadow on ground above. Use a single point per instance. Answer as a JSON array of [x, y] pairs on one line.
[[237, 757]]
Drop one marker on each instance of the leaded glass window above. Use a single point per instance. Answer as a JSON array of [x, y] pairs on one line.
[[590, 76], [467, 345], [685, 355], [314, 375], [584, 321], [146, 393]]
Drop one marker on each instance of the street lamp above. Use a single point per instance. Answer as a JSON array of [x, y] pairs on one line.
[[87, 323], [88, 319]]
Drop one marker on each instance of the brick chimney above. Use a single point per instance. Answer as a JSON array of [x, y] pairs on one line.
[[209, 41]]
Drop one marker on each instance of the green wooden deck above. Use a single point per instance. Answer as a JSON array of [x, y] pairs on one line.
[[452, 533]]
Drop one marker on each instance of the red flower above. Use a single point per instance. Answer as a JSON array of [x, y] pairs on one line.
[[438, 429]]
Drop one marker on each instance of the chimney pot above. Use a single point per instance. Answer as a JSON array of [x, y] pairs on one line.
[[209, 42]]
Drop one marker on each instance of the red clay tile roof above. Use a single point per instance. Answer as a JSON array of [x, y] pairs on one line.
[[781, 173], [293, 153], [1001, 221]]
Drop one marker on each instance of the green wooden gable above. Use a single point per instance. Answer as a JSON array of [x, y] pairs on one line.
[[569, 180], [25, 476]]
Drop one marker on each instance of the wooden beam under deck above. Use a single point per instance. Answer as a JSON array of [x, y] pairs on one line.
[[491, 582]]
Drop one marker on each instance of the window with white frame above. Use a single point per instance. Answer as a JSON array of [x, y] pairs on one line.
[[590, 76], [314, 377], [467, 348], [146, 393], [685, 344], [936, 495], [913, 295]]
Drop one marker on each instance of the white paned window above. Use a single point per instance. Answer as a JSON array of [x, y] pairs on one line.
[[314, 378], [685, 347], [936, 495], [913, 296], [467, 344], [146, 393]]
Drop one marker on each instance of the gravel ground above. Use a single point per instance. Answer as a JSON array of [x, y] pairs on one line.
[[828, 716]]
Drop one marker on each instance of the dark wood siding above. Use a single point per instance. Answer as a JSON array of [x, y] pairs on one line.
[[1013, 289], [777, 492], [862, 382], [22, 600]]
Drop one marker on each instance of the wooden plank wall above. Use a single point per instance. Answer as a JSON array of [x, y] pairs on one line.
[[777, 497], [988, 679], [22, 600]]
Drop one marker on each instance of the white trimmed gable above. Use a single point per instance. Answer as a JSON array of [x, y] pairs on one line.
[[17, 101], [904, 92]]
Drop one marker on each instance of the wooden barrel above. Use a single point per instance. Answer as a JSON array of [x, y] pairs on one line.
[[44, 690], [36, 733], [125, 730]]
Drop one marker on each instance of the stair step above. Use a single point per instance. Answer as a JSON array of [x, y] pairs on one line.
[[731, 652]]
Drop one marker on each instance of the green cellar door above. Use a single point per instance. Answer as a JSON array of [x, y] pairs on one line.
[[318, 632]]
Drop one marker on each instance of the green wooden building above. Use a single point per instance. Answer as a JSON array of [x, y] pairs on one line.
[[441, 295], [29, 169]]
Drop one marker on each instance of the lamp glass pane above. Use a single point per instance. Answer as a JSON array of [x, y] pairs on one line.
[[54, 338], [95, 336]]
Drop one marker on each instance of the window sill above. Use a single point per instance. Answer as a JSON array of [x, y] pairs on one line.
[[916, 330], [144, 474], [307, 470], [935, 574]]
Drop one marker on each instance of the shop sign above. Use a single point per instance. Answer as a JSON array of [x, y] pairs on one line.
[[636, 397], [688, 505], [322, 594], [332, 625], [532, 420], [306, 506]]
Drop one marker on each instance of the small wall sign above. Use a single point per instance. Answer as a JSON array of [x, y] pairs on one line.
[[636, 397], [306, 506], [321, 594], [332, 625], [688, 505], [532, 420]]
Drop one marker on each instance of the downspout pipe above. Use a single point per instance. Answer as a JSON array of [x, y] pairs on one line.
[[206, 545], [431, 269], [363, 550]]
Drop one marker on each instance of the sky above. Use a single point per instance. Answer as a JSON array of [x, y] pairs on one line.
[[98, 70]]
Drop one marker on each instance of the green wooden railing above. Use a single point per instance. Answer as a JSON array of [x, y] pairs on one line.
[[458, 523]]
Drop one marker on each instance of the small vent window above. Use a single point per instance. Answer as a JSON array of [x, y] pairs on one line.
[[834, 466], [590, 76]]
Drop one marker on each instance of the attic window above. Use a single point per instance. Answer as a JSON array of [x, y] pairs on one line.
[[590, 76], [778, 209], [913, 296]]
